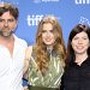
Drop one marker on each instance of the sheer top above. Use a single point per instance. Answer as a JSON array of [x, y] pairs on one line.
[[52, 78]]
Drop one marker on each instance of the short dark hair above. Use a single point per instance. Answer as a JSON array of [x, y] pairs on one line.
[[11, 8]]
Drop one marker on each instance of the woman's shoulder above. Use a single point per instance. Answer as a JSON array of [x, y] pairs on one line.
[[29, 47], [28, 51]]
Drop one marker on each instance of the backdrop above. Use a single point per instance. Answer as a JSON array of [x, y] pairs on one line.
[[68, 12]]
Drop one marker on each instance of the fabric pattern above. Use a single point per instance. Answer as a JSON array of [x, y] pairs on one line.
[[52, 78]]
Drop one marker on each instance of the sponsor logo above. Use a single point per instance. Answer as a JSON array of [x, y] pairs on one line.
[[84, 20], [82, 1], [45, 1]]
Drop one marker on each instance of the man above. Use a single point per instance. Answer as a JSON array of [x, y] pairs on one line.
[[12, 49]]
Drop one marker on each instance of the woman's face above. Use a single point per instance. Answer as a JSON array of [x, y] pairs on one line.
[[80, 43], [47, 34]]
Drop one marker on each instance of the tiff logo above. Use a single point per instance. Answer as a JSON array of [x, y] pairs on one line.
[[82, 1], [32, 20]]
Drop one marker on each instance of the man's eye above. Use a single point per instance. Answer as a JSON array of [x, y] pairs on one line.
[[10, 20], [1, 20]]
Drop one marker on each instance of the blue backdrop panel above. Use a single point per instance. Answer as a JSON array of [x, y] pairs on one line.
[[68, 12]]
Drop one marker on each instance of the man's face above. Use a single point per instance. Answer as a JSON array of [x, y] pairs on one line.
[[7, 24]]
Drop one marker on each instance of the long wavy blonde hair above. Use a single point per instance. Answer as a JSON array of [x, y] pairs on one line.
[[40, 48]]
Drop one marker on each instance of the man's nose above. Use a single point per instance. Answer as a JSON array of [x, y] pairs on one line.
[[6, 23]]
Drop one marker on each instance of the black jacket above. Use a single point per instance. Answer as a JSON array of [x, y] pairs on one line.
[[77, 77]]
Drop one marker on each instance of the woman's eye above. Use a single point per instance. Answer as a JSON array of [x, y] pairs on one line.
[[76, 38], [51, 30], [43, 31], [85, 38]]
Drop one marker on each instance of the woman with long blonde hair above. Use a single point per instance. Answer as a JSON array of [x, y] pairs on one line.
[[46, 57]]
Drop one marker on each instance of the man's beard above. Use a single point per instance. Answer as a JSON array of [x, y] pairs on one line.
[[6, 34]]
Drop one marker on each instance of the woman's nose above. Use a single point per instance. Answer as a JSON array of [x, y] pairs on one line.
[[80, 41]]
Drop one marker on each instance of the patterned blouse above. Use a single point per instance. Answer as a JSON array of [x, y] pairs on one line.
[[52, 78]]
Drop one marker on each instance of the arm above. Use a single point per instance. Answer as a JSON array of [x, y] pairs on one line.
[[26, 67], [27, 58]]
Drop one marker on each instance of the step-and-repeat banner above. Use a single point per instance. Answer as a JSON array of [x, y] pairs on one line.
[[68, 12]]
